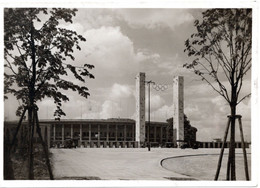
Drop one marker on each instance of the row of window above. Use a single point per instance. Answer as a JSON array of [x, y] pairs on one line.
[[103, 134], [94, 134]]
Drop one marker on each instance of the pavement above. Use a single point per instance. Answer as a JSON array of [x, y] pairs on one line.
[[129, 163]]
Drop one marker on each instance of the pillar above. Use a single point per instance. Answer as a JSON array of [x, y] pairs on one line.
[[98, 133], [116, 133], [89, 132], [62, 134], [49, 136], [124, 132], [161, 133], [140, 109], [178, 108], [154, 133], [107, 132], [174, 137], [133, 133], [80, 133], [54, 132], [71, 131]]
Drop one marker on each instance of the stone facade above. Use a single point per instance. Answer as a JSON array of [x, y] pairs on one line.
[[113, 133], [178, 111], [140, 109]]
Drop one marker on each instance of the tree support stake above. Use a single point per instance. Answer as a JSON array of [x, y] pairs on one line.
[[223, 147]]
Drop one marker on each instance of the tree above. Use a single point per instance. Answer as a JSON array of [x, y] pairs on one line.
[[221, 47], [189, 131], [38, 59]]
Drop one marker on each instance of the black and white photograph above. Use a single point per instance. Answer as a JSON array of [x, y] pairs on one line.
[[109, 94]]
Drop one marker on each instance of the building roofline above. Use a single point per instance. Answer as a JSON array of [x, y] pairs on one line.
[[110, 120]]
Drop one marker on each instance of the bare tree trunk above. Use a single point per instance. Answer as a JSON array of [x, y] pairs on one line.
[[244, 149], [17, 129], [45, 147], [222, 150], [232, 143], [228, 169], [30, 142]]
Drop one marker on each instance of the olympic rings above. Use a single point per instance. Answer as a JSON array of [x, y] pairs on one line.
[[160, 87]]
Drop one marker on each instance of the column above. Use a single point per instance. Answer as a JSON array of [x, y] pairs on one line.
[[98, 144], [54, 132], [89, 132], [80, 133], [174, 137], [161, 133], [116, 133], [133, 132], [98, 133], [71, 131], [124, 132], [140, 109], [62, 134], [49, 136], [178, 111], [107, 132], [154, 132]]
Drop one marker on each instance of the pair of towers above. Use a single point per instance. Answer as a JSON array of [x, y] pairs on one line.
[[178, 109]]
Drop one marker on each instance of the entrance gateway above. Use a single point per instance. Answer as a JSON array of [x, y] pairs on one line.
[[178, 110]]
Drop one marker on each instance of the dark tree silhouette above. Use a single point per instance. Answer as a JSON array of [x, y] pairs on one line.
[[189, 131], [38, 58], [221, 48]]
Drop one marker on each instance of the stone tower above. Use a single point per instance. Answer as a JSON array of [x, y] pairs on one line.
[[178, 109], [140, 109]]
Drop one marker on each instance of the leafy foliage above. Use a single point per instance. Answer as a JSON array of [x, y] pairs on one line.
[[221, 47], [37, 57]]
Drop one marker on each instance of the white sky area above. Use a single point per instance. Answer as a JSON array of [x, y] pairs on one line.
[[123, 42]]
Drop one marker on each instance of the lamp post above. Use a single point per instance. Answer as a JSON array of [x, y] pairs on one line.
[[148, 127]]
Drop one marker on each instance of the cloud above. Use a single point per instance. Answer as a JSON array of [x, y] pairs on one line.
[[144, 55], [110, 109], [107, 48], [163, 113], [121, 91], [113, 53], [156, 101], [117, 103], [154, 18], [94, 18]]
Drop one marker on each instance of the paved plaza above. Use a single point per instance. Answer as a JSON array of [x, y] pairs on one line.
[[140, 164]]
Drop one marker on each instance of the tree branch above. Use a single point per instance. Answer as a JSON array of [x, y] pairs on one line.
[[24, 62], [248, 95], [219, 92], [10, 66]]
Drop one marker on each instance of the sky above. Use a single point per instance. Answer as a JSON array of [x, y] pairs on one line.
[[123, 42]]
